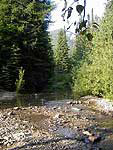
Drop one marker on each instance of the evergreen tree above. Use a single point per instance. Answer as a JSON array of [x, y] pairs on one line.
[[25, 42], [95, 75], [61, 52], [10, 70], [81, 50], [61, 79]]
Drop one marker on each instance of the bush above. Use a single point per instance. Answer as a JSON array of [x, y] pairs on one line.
[[95, 75]]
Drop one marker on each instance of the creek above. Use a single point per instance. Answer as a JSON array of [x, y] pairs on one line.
[[103, 123], [9, 99]]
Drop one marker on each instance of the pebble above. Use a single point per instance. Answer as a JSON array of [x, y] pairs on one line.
[[74, 109], [14, 130], [16, 108], [94, 138], [87, 133], [57, 116]]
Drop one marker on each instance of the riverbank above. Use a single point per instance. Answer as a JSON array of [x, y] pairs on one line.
[[60, 125], [101, 104]]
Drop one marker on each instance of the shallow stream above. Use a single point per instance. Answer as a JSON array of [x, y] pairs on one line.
[[104, 122], [26, 100]]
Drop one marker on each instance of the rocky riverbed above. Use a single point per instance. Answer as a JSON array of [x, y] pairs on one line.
[[60, 125]]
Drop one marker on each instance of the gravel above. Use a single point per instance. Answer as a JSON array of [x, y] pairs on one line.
[[62, 126]]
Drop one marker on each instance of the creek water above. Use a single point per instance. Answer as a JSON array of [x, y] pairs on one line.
[[25, 100]]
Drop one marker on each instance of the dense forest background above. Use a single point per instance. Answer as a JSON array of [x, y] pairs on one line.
[[83, 66], [25, 42]]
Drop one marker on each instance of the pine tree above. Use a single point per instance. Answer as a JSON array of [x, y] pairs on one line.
[[23, 27], [61, 52], [81, 50], [61, 79]]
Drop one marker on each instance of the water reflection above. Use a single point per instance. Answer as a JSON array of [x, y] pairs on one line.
[[40, 99]]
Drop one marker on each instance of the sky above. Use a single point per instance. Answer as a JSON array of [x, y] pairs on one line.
[[97, 5]]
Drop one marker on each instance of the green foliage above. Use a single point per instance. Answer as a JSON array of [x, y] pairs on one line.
[[61, 79], [95, 75], [20, 81], [80, 58], [61, 52], [9, 69], [81, 50], [24, 41], [60, 82]]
